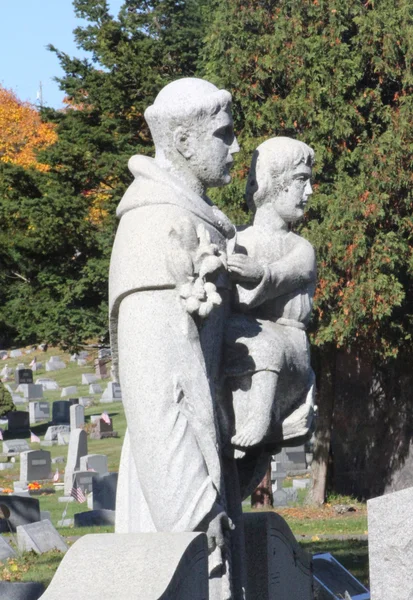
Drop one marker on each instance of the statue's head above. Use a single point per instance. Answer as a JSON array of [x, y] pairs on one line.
[[280, 174], [192, 128]]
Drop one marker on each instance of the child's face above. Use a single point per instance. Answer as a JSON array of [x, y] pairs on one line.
[[291, 199]]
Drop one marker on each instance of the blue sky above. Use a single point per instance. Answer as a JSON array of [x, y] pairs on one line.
[[27, 27]]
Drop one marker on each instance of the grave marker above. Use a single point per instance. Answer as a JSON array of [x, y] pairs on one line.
[[40, 537], [35, 465]]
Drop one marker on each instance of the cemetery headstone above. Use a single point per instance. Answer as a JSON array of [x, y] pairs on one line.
[[55, 364], [23, 376], [48, 384], [16, 590], [94, 462], [71, 390], [77, 416], [6, 551], [18, 421], [35, 465], [100, 368], [54, 430], [94, 518], [61, 412], [102, 430], [276, 565], [95, 388], [15, 353], [180, 561], [83, 480], [81, 362], [40, 537], [390, 527], [85, 401], [39, 411], [3, 354], [73, 401], [31, 391], [88, 378], [22, 511], [63, 438], [104, 491], [15, 446], [112, 393], [77, 449]]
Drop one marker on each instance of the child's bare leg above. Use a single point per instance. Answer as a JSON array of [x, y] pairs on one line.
[[260, 399]]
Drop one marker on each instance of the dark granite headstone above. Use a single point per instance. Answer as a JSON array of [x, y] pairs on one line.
[[22, 511], [104, 491], [23, 376], [93, 518], [100, 368], [73, 401], [61, 412], [31, 590], [18, 420]]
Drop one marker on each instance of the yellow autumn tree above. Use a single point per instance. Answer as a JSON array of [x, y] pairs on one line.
[[22, 132]]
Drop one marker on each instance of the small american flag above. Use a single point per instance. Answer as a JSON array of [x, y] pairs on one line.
[[78, 494], [105, 417], [56, 476], [34, 438]]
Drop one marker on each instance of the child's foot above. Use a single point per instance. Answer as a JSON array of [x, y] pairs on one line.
[[251, 433]]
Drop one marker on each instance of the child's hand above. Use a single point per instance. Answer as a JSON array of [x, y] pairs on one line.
[[244, 268]]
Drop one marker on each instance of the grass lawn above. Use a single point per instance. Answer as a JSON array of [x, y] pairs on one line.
[[304, 521]]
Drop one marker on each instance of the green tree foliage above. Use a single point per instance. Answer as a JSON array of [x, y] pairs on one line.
[[61, 223], [338, 76], [6, 401]]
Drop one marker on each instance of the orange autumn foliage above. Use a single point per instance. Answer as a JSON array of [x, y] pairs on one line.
[[22, 132]]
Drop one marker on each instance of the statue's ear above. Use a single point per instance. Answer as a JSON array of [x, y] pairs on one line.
[[182, 142]]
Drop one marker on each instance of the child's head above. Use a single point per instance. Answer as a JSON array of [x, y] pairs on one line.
[[280, 173]]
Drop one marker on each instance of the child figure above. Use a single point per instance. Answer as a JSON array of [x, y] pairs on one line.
[[267, 351]]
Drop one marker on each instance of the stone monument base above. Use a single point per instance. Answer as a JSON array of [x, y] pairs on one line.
[[151, 566]]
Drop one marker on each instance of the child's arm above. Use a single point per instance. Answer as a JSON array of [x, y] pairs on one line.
[[291, 272]]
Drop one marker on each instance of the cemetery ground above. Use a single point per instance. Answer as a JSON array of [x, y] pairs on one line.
[[331, 528]]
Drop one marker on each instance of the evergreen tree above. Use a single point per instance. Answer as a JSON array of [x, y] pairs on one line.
[[337, 76]]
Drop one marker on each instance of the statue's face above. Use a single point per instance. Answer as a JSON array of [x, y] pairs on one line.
[[212, 144], [290, 201]]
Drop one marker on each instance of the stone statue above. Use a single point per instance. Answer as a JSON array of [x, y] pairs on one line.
[[267, 351], [170, 309], [169, 298]]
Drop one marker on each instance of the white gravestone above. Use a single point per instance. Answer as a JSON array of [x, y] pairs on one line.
[[15, 446], [53, 431], [55, 364], [112, 393], [95, 388], [77, 449], [39, 411], [77, 416], [35, 465], [69, 391], [95, 462], [390, 526], [88, 378], [48, 384], [15, 353], [180, 561]]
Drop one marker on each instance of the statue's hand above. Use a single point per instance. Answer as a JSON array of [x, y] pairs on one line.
[[218, 526], [244, 268]]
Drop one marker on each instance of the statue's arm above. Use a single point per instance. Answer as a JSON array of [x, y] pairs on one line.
[[294, 270]]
